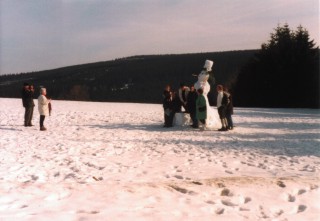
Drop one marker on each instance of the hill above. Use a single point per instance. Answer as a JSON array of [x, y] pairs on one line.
[[131, 79]]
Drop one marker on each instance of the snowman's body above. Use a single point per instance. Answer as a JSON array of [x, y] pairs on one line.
[[213, 120]]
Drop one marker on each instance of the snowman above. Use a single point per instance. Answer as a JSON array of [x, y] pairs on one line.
[[213, 120]]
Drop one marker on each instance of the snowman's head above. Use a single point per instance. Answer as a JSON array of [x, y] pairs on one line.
[[203, 76]]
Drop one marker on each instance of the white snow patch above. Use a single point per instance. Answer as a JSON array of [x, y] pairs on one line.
[[100, 161]]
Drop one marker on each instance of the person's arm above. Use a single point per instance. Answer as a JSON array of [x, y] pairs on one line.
[[219, 99], [180, 95]]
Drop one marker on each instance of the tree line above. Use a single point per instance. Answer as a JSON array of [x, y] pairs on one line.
[[131, 79]]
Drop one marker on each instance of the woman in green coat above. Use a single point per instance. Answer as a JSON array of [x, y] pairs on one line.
[[201, 107]]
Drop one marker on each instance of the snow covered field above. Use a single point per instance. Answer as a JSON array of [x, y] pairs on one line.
[[115, 161]]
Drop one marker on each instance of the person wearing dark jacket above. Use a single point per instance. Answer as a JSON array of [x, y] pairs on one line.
[[176, 103], [28, 104], [191, 106], [166, 93], [168, 109], [229, 108], [222, 101]]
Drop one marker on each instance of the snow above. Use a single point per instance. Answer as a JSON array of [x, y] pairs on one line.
[[115, 161]]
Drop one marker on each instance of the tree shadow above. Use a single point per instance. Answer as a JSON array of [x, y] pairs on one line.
[[297, 126], [144, 127], [286, 143], [9, 128], [274, 112]]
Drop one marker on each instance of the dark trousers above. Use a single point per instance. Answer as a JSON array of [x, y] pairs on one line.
[[42, 117], [28, 116], [222, 112], [194, 119], [229, 120], [168, 119], [203, 121]]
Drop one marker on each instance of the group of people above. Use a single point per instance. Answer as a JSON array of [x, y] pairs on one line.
[[44, 105], [173, 103], [194, 100]]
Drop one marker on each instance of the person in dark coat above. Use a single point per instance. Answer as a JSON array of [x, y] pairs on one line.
[[167, 89], [168, 109], [176, 103], [229, 108], [222, 101], [165, 94], [31, 102], [28, 103], [191, 106]]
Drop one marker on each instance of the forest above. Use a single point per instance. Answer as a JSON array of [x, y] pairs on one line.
[[131, 79], [283, 73]]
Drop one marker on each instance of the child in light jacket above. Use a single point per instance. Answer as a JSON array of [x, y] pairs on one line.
[[43, 107]]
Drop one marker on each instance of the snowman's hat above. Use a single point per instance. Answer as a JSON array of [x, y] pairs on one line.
[[208, 65]]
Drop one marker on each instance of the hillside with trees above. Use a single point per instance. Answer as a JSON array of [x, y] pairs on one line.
[[132, 79]]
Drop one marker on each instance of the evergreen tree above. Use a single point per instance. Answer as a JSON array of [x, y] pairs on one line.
[[284, 73]]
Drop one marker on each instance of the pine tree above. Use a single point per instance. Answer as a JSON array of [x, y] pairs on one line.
[[284, 73]]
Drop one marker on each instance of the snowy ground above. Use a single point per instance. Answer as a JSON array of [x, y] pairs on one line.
[[115, 161]]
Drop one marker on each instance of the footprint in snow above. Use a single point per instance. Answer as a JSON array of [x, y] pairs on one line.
[[225, 192], [210, 202], [197, 183], [183, 190], [228, 203], [301, 191], [281, 184], [289, 198], [301, 208], [178, 177], [244, 200], [219, 211]]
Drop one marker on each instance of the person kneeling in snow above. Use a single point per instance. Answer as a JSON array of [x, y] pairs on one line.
[[43, 107]]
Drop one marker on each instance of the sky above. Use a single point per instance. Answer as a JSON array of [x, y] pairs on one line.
[[46, 34]]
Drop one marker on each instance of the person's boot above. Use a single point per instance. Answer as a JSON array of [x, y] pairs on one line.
[[43, 128], [224, 125]]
